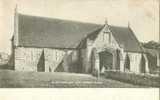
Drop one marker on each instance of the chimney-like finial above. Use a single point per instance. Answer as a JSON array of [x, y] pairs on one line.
[[16, 8], [106, 21]]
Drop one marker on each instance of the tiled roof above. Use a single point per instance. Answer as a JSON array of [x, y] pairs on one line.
[[126, 38], [53, 33], [56, 33]]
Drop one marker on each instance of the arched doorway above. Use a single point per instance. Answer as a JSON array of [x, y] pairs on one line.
[[118, 58], [142, 65], [127, 63], [106, 61], [41, 63]]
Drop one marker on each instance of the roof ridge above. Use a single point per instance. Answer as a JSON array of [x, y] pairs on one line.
[[118, 26], [135, 38], [51, 18], [129, 33], [52, 32]]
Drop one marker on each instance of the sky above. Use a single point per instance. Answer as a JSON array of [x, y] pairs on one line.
[[142, 15]]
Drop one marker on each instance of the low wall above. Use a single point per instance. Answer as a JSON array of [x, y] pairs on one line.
[[139, 79]]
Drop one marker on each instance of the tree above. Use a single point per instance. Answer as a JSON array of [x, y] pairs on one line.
[[151, 45]]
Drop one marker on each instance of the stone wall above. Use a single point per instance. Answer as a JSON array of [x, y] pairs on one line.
[[27, 59], [53, 58], [83, 59], [103, 40], [135, 62], [135, 59]]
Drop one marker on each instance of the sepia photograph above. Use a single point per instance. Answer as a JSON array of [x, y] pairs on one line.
[[79, 44]]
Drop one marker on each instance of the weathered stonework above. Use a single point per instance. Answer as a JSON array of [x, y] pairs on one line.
[[53, 57], [26, 59], [103, 41], [109, 44], [65, 58]]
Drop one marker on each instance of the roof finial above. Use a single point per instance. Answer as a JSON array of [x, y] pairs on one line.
[[106, 21], [16, 8]]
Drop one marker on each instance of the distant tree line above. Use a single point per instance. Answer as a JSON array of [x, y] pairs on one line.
[[151, 45]]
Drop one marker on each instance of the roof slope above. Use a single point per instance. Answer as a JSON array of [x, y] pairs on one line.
[[53, 33], [126, 38]]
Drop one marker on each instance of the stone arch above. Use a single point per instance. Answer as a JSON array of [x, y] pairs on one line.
[[96, 59], [94, 62], [41, 63], [143, 64], [127, 63], [119, 57], [106, 60]]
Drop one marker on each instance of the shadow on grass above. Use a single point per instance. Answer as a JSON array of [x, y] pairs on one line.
[[6, 67]]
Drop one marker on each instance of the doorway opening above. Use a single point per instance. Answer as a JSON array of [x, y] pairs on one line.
[[41, 63], [106, 61], [142, 65]]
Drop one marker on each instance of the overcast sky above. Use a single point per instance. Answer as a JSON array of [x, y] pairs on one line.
[[143, 15]]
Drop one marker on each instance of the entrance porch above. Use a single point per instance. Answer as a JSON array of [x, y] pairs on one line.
[[105, 59]]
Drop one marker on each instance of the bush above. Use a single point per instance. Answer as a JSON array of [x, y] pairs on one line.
[[139, 79]]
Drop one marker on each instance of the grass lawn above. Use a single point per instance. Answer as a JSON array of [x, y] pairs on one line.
[[15, 79]]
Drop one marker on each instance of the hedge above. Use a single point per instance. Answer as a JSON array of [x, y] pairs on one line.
[[138, 79]]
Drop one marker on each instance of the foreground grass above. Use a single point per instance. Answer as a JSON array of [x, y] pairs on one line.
[[14, 79]]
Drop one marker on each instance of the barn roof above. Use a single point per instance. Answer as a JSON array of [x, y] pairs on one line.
[[126, 38], [46, 32], [56, 33]]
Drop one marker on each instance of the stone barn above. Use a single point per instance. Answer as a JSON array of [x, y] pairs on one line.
[[47, 45]]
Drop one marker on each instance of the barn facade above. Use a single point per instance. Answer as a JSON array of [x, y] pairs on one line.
[[54, 45]]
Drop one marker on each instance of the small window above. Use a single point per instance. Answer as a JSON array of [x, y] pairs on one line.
[[106, 37], [106, 30], [127, 63], [56, 54], [89, 42]]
